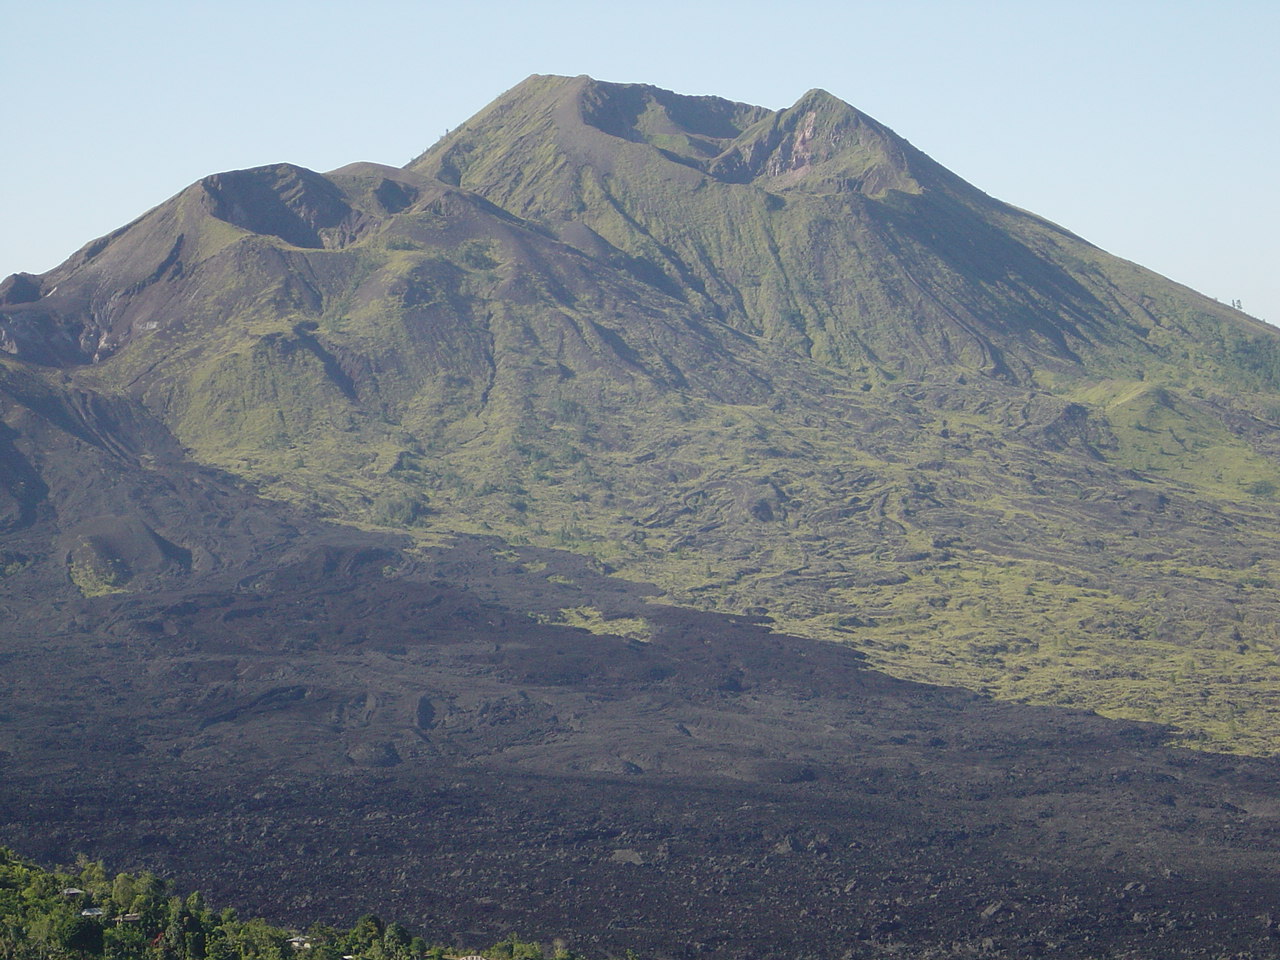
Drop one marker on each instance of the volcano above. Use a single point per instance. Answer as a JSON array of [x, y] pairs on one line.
[[645, 513]]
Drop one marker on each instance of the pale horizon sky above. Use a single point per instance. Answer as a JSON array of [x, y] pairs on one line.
[[1149, 128]]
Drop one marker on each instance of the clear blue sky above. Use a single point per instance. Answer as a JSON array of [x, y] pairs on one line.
[[1149, 127]]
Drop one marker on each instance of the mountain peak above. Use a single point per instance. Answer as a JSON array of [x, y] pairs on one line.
[[817, 97], [824, 144], [583, 118], [289, 202]]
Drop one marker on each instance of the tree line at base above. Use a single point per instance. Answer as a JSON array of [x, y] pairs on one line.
[[82, 912]]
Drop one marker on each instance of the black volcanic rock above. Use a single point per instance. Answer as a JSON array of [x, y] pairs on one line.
[[717, 784]]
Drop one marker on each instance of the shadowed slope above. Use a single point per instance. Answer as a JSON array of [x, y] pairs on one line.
[[311, 734]]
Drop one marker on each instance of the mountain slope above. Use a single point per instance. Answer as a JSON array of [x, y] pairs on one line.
[[815, 226], [775, 362]]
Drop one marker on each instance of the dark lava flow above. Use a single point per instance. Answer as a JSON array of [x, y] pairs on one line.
[[365, 728]]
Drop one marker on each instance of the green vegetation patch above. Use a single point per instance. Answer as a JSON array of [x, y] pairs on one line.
[[594, 620], [94, 570], [83, 912]]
